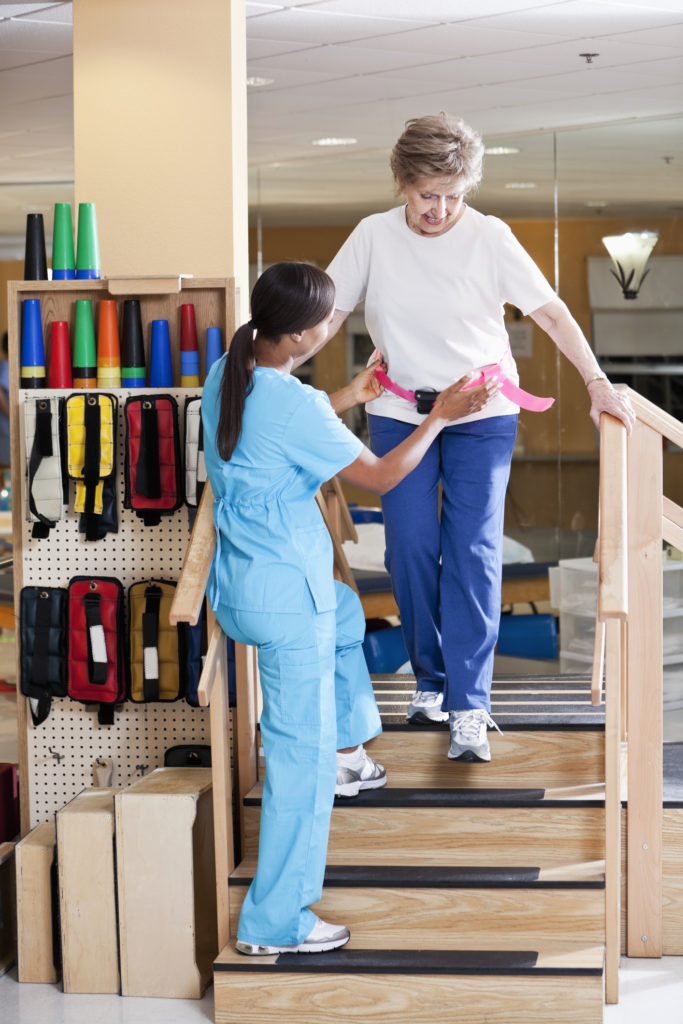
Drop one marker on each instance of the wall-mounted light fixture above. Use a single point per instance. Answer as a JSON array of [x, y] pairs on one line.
[[630, 253]]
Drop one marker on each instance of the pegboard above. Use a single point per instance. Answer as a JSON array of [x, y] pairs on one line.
[[63, 749]]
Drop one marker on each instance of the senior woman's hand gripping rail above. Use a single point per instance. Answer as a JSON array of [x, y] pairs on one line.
[[435, 274]]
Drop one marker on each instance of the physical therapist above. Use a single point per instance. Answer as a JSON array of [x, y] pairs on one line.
[[270, 441]]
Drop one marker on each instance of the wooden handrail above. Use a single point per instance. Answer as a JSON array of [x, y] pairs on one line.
[[672, 523], [650, 414], [189, 595], [212, 663]]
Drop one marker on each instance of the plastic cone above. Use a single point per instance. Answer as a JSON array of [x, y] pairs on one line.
[[133, 347], [214, 346], [189, 350], [87, 247], [35, 260], [60, 375], [160, 365], [32, 348], [63, 262], [85, 359], [108, 354]]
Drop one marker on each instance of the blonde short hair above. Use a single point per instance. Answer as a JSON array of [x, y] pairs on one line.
[[437, 145]]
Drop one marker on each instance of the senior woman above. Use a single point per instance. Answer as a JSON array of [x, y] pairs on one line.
[[434, 274]]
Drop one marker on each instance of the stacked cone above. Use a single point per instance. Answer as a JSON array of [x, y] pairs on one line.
[[87, 245], [133, 347], [32, 347], [108, 355], [63, 261], [60, 375], [160, 364], [35, 258], [214, 346], [85, 358], [189, 350]]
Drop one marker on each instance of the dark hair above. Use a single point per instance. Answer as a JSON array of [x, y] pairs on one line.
[[287, 298]]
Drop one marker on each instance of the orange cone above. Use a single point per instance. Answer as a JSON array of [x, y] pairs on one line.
[[108, 353]]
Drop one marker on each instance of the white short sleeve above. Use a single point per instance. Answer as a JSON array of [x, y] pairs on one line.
[[350, 268], [521, 282]]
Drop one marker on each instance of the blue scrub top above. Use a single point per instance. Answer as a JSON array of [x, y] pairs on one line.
[[272, 542]]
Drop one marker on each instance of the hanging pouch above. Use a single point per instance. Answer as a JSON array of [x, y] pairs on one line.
[[97, 671], [195, 466], [153, 477], [45, 498], [43, 648], [196, 651], [91, 427], [158, 650]]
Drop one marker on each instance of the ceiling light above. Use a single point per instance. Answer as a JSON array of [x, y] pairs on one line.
[[332, 141], [256, 80], [598, 203], [501, 150], [521, 184], [630, 252]]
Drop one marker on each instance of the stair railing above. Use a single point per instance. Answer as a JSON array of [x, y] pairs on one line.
[[635, 518]]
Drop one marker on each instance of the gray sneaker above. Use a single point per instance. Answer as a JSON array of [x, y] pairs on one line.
[[324, 936], [468, 735], [370, 775], [425, 708]]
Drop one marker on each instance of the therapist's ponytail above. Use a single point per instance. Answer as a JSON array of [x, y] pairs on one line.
[[288, 298]]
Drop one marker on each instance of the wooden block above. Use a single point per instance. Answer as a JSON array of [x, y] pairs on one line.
[[87, 892], [35, 856], [8, 923], [167, 883]]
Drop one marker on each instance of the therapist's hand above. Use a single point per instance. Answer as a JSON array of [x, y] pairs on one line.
[[454, 403], [365, 386]]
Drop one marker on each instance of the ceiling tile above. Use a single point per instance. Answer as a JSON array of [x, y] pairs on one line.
[[343, 59], [465, 39], [300, 24], [21, 35], [580, 18]]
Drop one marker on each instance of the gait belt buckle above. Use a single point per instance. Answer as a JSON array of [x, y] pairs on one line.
[[425, 398]]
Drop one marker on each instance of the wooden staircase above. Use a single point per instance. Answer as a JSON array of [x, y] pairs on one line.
[[472, 892], [482, 893]]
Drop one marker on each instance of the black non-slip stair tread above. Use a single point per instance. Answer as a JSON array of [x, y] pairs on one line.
[[408, 962], [397, 797], [389, 876]]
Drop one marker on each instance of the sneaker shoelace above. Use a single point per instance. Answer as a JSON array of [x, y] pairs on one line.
[[470, 724]]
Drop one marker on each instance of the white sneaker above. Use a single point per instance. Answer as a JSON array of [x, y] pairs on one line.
[[425, 708], [323, 936], [368, 774], [468, 735]]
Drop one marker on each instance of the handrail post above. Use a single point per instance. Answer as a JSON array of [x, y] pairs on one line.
[[613, 607], [644, 647]]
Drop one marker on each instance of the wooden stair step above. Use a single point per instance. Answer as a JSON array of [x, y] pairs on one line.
[[508, 986], [417, 756], [457, 827], [424, 907]]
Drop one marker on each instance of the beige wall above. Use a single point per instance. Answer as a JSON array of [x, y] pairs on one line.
[[160, 134]]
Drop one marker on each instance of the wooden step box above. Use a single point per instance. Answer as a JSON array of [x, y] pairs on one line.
[[35, 858], [166, 883], [87, 893]]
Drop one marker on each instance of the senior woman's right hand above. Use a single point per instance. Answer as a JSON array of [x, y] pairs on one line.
[[453, 403]]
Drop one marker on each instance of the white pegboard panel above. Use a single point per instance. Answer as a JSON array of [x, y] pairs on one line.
[[63, 750], [141, 733]]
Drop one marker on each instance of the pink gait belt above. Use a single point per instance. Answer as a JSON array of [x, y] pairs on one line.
[[494, 371]]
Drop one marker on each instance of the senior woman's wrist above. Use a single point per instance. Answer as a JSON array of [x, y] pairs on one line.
[[597, 377]]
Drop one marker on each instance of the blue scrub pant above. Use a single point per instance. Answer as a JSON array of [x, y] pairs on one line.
[[446, 573], [317, 698]]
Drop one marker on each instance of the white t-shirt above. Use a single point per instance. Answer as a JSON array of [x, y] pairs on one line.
[[434, 305]]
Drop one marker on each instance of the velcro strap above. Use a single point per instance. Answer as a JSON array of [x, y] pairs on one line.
[[150, 643], [92, 421], [97, 642], [41, 641], [148, 468], [40, 449]]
